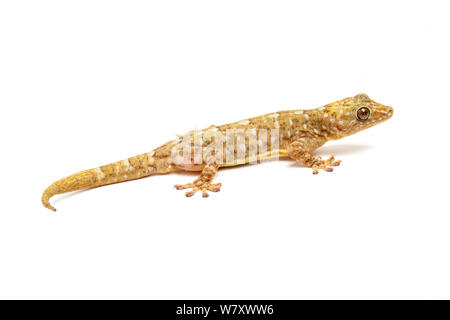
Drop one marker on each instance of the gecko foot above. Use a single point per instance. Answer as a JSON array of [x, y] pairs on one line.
[[326, 165], [204, 187]]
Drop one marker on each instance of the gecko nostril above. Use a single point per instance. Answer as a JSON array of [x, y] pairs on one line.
[[389, 112]]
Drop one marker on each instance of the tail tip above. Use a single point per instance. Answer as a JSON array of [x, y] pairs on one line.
[[46, 203], [49, 206]]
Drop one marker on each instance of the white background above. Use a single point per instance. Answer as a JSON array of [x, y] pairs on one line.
[[86, 83]]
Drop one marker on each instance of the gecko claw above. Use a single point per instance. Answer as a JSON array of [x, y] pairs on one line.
[[190, 193]]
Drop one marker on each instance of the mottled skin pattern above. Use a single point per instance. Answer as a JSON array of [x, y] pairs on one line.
[[299, 133]]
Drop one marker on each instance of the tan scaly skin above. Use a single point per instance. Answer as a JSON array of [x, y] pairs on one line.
[[300, 132]]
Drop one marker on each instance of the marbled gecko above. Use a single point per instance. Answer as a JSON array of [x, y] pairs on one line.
[[294, 133]]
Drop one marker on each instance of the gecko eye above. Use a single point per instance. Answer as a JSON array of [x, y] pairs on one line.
[[363, 114]]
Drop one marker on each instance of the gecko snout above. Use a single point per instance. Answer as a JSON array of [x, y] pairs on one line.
[[390, 111], [385, 112]]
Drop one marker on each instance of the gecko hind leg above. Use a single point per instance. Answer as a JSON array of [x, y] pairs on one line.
[[203, 182]]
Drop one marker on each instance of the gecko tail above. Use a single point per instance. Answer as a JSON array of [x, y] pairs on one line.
[[143, 165], [78, 181], [48, 193]]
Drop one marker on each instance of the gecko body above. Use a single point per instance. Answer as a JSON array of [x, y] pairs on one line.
[[294, 133]]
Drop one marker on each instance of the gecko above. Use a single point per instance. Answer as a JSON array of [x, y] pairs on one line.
[[294, 133]]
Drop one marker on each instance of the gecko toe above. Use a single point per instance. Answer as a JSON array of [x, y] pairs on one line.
[[184, 186], [326, 165], [204, 188], [191, 193]]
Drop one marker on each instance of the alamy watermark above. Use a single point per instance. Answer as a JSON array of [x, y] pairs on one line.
[[236, 146]]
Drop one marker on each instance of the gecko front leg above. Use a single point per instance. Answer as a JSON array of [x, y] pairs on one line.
[[203, 182], [300, 150]]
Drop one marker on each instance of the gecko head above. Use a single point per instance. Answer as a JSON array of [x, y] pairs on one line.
[[351, 115]]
